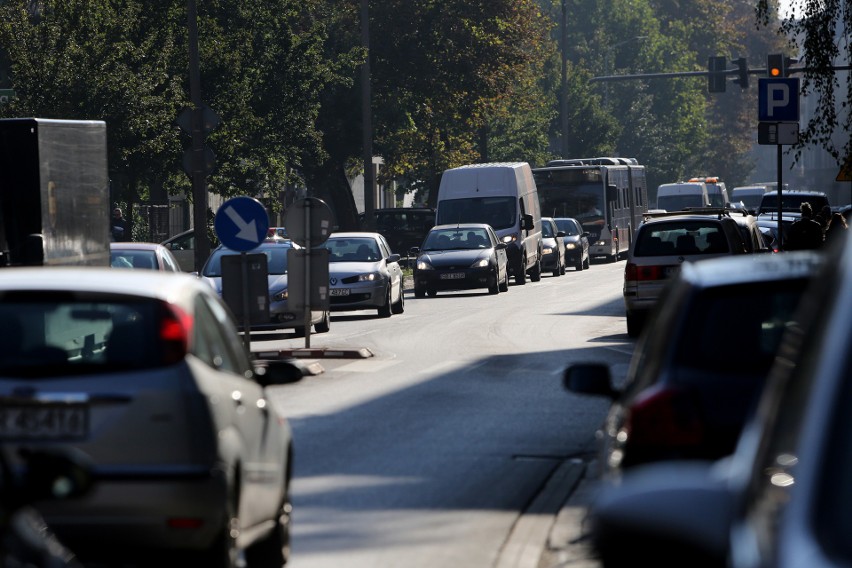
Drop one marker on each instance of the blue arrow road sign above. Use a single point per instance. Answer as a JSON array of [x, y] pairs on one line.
[[241, 223], [778, 100]]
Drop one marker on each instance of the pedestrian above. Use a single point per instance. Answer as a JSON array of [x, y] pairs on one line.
[[836, 228], [805, 233], [120, 230]]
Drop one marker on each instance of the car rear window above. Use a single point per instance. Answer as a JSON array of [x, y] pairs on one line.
[[738, 328], [276, 260], [681, 238], [53, 334], [134, 259]]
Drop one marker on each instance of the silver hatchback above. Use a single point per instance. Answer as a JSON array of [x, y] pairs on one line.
[[145, 374]]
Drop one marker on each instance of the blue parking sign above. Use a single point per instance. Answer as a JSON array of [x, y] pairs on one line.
[[778, 100], [241, 223]]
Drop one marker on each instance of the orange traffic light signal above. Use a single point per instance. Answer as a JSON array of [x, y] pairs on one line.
[[776, 65]]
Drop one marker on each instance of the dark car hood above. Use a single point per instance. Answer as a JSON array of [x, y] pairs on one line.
[[455, 258]]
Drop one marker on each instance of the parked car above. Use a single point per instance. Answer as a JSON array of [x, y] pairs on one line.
[[461, 257], [364, 274], [754, 238], [768, 224], [145, 375], [281, 316], [151, 256], [662, 243], [403, 227], [697, 370], [781, 499], [791, 201], [552, 247], [576, 242], [182, 247]]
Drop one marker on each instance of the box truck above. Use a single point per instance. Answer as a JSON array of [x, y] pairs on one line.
[[54, 192]]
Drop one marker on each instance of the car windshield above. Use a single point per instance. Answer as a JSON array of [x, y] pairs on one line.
[[71, 334], [547, 230], [499, 212], [679, 238], [133, 259], [357, 249], [456, 239], [568, 226], [276, 260]]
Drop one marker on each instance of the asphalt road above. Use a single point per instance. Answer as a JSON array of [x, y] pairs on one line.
[[453, 442]]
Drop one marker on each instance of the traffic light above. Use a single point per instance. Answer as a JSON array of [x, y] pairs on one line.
[[776, 65], [716, 77], [742, 72]]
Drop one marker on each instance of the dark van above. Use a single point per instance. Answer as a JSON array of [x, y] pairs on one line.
[[403, 227]]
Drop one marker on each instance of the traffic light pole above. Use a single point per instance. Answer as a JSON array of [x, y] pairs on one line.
[[780, 208]]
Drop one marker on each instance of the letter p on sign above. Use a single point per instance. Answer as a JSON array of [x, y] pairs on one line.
[[778, 100]]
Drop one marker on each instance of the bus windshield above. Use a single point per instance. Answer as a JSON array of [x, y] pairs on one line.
[[499, 212], [582, 202]]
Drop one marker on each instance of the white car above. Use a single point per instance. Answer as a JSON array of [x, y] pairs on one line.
[[145, 374], [364, 274], [150, 256]]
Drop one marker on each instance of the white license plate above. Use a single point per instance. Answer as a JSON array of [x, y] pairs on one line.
[[339, 291], [44, 422], [670, 271], [452, 276]]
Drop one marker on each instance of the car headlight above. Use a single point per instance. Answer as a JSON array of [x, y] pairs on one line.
[[280, 296], [481, 263], [368, 277], [510, 238], [570, 246], [424, 265], [546, 250]]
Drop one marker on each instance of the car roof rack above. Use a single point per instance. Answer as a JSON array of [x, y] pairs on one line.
[[719, 211]]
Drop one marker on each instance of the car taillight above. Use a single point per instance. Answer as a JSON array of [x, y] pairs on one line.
[[662, 422], [175, 330], [633, 272]]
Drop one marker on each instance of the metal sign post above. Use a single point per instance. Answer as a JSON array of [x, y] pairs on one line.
[[309, 223]]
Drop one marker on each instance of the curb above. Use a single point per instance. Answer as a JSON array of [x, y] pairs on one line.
[[318, 353]]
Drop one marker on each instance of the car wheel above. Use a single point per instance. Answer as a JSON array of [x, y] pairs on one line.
[[385, 310], [535, 273], [579, 265], [521, 272], [419, 292], [504, 285], [557, 271], [432, 292], [563, 269], [274, 548], [494, 287], [399, 306], [325, 325], [223, 552], [299, 331], [634, 325], [586, 263]]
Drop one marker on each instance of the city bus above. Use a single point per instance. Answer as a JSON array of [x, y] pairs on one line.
[[608, 196]]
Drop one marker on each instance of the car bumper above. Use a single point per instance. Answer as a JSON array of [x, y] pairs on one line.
[[143, 513], [463, 279], [359, 296], [549, 261]]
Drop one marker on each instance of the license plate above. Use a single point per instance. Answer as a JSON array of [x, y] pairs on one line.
[[44, 422], [339, 291], [452, 276], [670, 271]]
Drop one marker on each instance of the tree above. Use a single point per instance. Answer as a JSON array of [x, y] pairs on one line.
[[813, 28]]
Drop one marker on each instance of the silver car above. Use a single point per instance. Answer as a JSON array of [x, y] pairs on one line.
[[144, 373], [364, 274], [281, 316]]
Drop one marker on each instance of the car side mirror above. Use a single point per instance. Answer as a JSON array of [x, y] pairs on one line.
[[394, 258], [413, 251], [560, 234], [268, 372], [527, 222], [501, 246]]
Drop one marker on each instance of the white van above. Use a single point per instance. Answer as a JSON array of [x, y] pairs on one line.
[[682, 195], [750, 195], [503, 195]]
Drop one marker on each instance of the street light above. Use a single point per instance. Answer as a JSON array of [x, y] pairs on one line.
[[607, 68]]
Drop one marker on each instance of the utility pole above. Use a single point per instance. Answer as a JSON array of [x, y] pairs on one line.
[[563, 105], [367, 121], [199, 170]]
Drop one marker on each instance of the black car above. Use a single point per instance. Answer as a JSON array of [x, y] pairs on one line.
[[461, 257], [576, 242], [701, 363]]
